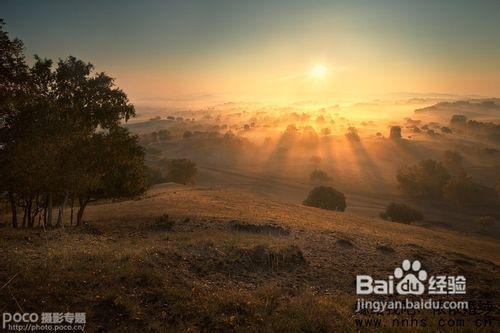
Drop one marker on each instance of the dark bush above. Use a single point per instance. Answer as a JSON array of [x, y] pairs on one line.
[[326, 197], [401, 213]]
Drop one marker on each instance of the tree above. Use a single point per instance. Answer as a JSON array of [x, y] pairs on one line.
[[326, 197], [54, 124], [401, 213], [425, 179], [352, 134], [182, 171], [113, 168], [13, 79], [395, 133]]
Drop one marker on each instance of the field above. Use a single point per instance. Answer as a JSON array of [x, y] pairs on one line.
[[249, 166], [224, 260]]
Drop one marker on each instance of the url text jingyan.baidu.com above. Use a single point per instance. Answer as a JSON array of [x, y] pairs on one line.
[[407, 304]]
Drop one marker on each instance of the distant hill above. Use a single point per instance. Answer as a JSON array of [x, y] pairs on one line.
[[474, 108]]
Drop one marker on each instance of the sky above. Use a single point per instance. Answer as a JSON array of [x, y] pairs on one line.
[[161, 52]]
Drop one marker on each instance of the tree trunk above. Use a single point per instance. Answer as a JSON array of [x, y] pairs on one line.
[[30, 216], [61, 210], [49, 210], [25, 217], [13, 209], [45, 213], [81, 209], [72, 207]]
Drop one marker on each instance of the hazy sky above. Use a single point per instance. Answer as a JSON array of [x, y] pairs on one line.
[[246, 50]]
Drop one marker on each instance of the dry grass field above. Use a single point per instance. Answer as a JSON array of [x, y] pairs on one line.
[[224, 260]]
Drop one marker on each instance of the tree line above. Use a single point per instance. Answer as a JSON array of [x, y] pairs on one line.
[[61, 142]]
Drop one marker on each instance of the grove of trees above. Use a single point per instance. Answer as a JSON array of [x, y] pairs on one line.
[[425, 179], [61, 141], [445, 179]]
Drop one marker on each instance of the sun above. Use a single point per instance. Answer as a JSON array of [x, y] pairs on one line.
[[318, 72]]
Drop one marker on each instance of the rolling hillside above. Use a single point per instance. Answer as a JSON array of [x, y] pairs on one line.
[[224, 260]]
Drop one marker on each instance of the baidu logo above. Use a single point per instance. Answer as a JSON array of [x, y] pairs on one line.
[[410, 279]]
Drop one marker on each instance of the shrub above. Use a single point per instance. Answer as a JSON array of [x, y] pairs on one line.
[[401, 213], [182, 171], [319, 175], [485, 221], [425, 179], [326, 197], [187, 134]]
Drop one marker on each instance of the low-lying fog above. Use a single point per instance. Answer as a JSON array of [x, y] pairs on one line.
[[273, 149]]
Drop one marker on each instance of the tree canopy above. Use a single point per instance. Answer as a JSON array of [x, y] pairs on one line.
[[60, 135]]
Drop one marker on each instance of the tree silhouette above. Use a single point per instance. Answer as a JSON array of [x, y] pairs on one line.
[[60, 136]]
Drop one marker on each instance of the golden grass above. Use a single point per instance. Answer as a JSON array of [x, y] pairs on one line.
[[131, 271]]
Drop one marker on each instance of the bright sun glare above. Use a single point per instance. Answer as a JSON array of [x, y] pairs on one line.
[[318, 72]]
